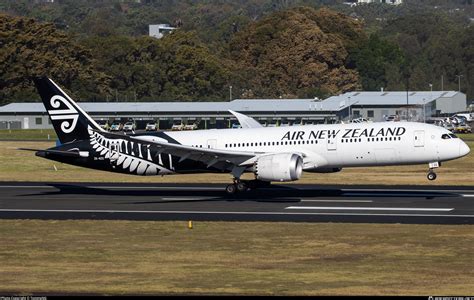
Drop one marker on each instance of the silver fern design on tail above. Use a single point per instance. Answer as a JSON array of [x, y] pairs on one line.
[[120, 153]]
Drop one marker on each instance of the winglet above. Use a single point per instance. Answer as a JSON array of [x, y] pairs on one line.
[[245, 121]]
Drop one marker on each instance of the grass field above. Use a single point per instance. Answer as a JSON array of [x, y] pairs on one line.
[[117, 257], [18, 165], [28, 134]]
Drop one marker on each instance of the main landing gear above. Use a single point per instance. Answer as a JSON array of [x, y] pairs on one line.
[[431, 174], [240, 186]]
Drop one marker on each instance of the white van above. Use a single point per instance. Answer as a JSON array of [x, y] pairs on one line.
[[469, 116]]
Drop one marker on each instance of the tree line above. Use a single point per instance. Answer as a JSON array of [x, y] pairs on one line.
[[100, 51]]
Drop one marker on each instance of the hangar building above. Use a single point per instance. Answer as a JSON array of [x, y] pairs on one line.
[[270, 112]]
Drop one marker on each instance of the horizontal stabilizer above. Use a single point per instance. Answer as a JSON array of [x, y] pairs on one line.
[[41, 152]]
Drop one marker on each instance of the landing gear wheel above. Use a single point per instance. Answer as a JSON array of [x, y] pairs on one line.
[[431, 176], [241, 187], [231, 189]]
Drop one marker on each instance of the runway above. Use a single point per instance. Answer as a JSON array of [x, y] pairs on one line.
[[289, 203]]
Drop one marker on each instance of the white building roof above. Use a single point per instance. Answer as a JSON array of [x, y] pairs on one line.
[[260, 105], [336, 103], [330, 105]]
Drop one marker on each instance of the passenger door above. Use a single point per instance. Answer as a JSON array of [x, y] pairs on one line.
[[331, 144], [419, 138], [211, 144]]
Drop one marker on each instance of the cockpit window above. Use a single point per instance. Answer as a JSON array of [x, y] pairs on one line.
[[445, 136], [453, 136]]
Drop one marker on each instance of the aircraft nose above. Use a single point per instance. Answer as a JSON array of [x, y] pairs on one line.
[[463, 149]]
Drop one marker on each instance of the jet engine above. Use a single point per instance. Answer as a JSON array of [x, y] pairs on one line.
[[279, 167]]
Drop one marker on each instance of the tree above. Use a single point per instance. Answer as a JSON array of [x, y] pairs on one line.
[[300, 49], [377, 61], [176, 67], [31, 49]]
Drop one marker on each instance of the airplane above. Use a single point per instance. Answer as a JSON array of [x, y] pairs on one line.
[[276, 154]]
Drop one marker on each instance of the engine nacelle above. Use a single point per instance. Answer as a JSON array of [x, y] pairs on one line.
[[279, 167]]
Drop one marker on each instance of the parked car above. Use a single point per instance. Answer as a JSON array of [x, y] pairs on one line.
[[116, 126], [190, 127], [104, 124], [469, 116], [359, 120], [462, 128], [236, 125], [177, 127], [129, 126], [455, 120], [151, 126], [392, 118], [449, 126]]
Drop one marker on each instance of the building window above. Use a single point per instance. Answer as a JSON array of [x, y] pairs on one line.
[[39, 121], [370, 114], [356, 113]]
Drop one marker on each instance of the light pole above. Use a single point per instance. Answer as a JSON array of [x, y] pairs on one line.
[[408, 112], [424, 119], [431, 100], [459, 82], [350, 104], [230, 93]]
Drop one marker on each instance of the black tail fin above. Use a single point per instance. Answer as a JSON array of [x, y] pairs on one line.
[[69, 121]]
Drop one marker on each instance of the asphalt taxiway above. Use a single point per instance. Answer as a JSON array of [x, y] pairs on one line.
[[291, 203]]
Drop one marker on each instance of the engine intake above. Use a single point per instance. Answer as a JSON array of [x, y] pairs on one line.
[[279, 167]]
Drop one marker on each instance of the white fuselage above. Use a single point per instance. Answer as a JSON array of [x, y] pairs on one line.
[[337, 145]]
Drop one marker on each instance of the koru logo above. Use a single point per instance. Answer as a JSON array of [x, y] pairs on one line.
[[69, 115]]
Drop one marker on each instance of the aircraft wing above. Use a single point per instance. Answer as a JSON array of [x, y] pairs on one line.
[[246, 121], [222, 159]]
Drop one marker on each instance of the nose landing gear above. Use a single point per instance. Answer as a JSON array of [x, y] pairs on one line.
[[431, 174]]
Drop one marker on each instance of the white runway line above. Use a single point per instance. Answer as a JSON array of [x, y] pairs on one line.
[[368, 208], [344, 201], [112, 187], [401, 194], [407, 190], [228, 213], [184, 198], [466, 195]]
